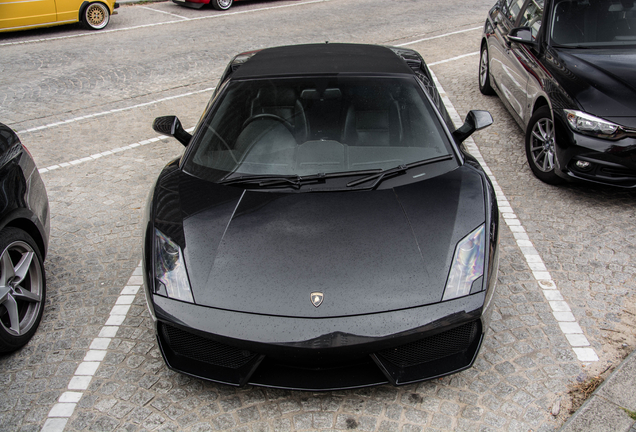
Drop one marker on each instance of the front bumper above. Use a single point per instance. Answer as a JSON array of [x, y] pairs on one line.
[[612, 162], [398, 347]]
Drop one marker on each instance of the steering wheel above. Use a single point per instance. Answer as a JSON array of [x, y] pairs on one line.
[[285, 123]]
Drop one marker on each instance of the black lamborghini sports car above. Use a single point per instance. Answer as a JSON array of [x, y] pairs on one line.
[[324, 228]]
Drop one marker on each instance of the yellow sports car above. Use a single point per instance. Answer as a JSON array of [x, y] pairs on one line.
[[28, 14]]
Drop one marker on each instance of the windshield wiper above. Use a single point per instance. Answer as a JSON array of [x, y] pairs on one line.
[[295, 181], [398, 170], [260, 179]]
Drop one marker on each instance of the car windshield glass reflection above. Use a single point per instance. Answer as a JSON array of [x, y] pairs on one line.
[[305, 126], [532, 17], [587, 24], [513, 7]]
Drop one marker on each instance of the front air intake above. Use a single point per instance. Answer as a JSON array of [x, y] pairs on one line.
[[205, 350], [432, 348]]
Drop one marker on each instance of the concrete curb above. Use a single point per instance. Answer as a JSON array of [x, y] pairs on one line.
[[604, 410]]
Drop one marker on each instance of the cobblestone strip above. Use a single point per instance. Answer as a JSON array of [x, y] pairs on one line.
[[560, 308], [65, 406], [114, 111]]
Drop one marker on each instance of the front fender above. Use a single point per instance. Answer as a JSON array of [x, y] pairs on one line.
[[27, 221]]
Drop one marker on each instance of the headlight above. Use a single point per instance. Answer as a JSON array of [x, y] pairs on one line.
[[170, 269], [467, 266], [590, 125]]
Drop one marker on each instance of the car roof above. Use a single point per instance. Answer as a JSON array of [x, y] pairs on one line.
[[324, 58]]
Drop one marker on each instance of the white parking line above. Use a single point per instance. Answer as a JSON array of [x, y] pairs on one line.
[[220, 15], [113, 111], [441, 36], [105, 153], [60, 412], [164, 12], [560, 308], [453, 59]]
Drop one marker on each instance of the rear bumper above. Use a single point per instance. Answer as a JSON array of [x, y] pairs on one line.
[[397, 347]]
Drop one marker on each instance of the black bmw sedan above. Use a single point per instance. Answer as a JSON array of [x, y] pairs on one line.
[[24, 238], [324, 228], [565, 71]]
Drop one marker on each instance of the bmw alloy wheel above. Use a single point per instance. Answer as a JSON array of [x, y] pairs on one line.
[[541, 148], [542, 145], [484, 73]]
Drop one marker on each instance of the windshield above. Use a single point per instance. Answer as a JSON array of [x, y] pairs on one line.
[[590, 23], [304, 126]]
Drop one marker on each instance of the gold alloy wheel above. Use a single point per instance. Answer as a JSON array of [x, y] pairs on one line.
[[96, 16]]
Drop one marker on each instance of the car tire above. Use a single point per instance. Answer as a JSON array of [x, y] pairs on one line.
[[484, 72], [95, 16], [22, 288], [221, 4], [540, 146]]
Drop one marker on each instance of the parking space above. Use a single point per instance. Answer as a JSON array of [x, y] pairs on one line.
[[580, 231], [89, 95]]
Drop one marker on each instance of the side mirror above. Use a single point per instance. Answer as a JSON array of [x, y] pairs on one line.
[[475, 120], [521, 35], [171, 126]]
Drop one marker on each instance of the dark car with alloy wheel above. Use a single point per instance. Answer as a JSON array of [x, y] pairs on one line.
[[24, 237], [325, 227], [564, 69]]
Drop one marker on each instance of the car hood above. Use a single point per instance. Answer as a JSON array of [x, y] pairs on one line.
[[371, 251], [601, 80]]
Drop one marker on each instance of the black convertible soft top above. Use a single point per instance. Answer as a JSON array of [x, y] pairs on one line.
[[324, 58]]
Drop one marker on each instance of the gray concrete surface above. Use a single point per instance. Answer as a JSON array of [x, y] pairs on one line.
[[605, 410], [159, 59]]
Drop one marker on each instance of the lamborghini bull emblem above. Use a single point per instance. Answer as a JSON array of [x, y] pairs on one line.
[[317, 298]]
